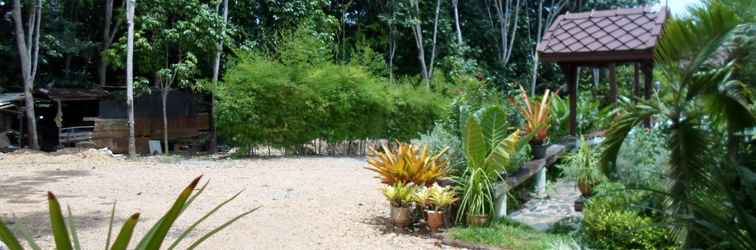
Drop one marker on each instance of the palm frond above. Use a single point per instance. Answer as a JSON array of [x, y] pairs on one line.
[[630, 116]]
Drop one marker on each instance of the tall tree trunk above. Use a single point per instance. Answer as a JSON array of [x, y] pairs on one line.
[[131, 4], [109, 33], [392, 42], [417, 31], [543, 25], [455, 7], [103, 66], [25, 44], [164, 99], [507, 26], [435, 36], [213, 144]]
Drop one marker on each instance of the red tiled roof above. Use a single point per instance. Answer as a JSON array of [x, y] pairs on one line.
[[603, 32]]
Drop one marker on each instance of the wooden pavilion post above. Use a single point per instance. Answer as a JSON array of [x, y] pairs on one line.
[[613, 91], [648, 78], [636, 80], [571, 75]]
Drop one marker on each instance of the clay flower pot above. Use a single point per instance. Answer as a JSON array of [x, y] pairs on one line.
[[435, 220], [477, 220], [400, 216]]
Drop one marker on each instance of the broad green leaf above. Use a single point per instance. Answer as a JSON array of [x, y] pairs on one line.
[[60, 233], [7, 237], [124, 236], [221, 227], [500, 158], [475, 146], [493, 121]]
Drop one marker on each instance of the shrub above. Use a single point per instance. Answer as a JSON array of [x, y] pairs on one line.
[[440, 138], [642, 160], [265, 102], [613, 220]]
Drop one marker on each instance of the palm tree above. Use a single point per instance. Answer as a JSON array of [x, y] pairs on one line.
[[698, 99]]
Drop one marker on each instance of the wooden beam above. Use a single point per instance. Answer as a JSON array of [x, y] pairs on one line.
[[532, 167], [613, 91], [570, 73], [648, 79], [636, 80]]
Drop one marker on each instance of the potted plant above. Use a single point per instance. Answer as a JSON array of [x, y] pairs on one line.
[[583, 168], [537, 116], [490, 152], [400, 196], [436, 200], [408, 164]]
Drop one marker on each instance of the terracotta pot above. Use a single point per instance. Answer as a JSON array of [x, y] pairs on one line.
[[585, 188], [477, 220], [400, 216], [435, 220]]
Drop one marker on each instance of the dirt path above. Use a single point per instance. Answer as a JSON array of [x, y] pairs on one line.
[[308, 203]]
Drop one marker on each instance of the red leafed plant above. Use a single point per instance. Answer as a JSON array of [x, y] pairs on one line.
[[537, 115]]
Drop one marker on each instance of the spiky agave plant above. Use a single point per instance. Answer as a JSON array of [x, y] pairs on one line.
[[399, 194], [66, 237], [408, 164]]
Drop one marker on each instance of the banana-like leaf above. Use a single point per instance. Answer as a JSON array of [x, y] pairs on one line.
[[219, 228], [7, 237], [475, 146], [156, 238], [124, 236], [494, 123], [500, 158], [60, 233]]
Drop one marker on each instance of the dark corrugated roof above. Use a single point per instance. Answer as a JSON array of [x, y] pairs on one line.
[[603, 32]]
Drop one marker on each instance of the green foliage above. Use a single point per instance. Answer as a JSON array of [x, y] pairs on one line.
[[490, 151], [507, 235], [591, 116], [612, 220], [65, 232], [400, 194], [438, 139], [583, 165], [296, 96], [643, 160], [699, 102]]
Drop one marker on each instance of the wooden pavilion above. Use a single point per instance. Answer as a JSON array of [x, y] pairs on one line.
[[604, 39]]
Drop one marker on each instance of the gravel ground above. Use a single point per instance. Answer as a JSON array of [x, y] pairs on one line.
[[307, 203]]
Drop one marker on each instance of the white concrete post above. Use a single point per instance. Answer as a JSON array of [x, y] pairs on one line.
[[540, 184], [500, 194]]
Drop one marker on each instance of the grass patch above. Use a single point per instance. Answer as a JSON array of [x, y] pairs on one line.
[[507, 234]]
